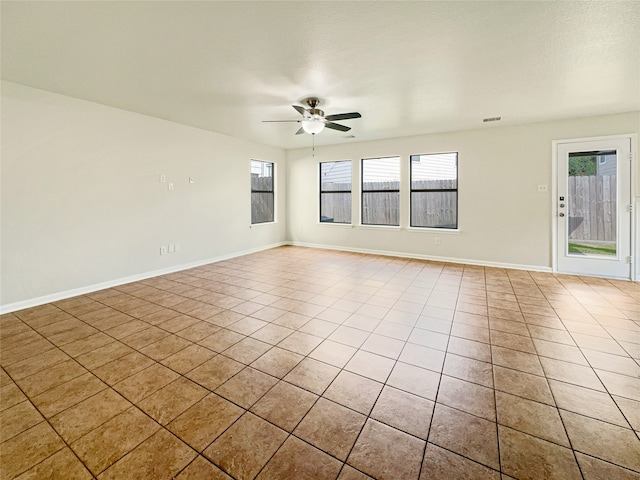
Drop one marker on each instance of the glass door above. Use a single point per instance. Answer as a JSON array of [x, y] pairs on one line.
[[593, 208]]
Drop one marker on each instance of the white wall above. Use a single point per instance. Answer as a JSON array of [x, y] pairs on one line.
[[503, 219], [82, 203]]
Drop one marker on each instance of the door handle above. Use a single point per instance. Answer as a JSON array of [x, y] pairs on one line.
[[561, 214]]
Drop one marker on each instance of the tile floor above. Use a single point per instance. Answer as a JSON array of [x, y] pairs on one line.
[[298, 363]]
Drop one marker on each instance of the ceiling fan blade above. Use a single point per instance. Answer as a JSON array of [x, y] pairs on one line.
[[300, 131], [342, 116], [280, 121], [299, 109], [337, 126]]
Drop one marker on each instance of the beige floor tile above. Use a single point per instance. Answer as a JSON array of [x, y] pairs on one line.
[[246, 387], [187, 359], [404, 411], [468, 397], [62, 465], [165, 347], [594, 469], [125, 366], [312, 375], [416, 380], [205, 421], [172, 400], [198, 331], [68, 394], [530, 458], [277, 362], [103, 355], [602, 440], [354, 391], [202, 469], [465, 434], [350, 473], [246, 447], [297, 459], [80, 419], [386, 453], [51, 377], [514, 359], [621, 385], [160, 456], [27, 449], [537, 419], [103, 446], [247, 350], [571, 373], [440, 463], [10, 395], [284, 405], [272, 334], [591, 403], [349, 336], [36, 363], [469, 348], [221, 340], [144, 383], [17, 419], [370, 365], [331, 427], [214, 372], [514, 342], [523, 384], [145, 337], [333, 353], [86, 344], [468, 369]]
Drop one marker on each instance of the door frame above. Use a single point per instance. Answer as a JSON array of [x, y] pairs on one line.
[[635, 200]]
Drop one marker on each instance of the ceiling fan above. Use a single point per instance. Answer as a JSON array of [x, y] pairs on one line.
[[314, 120]]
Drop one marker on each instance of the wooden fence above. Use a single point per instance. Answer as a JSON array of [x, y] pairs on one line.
[[262, 208], [592, 208], [438, 209]]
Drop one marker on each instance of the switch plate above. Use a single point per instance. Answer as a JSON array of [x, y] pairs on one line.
[[163, 250], [172, 247], [163, 178], [543, 188], [171, 186], [177, 247]]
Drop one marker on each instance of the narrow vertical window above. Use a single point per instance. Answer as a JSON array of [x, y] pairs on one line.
[[262, 195], [434, 190], [381, 191], [335, 192]]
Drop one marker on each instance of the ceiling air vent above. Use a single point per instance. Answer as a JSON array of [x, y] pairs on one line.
[[491, 119]]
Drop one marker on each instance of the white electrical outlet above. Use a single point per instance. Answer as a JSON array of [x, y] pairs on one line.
[[163, 250], [192, 180], [543, 188], [163, 178]]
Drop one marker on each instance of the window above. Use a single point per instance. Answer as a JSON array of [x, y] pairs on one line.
[[335, 192], [262, 205], [381, 191], [434, 190]]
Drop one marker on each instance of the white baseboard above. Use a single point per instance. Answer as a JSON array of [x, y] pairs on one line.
[[417, 256], [54, 297]]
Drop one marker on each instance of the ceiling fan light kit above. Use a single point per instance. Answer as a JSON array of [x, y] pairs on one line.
[[314, 121]]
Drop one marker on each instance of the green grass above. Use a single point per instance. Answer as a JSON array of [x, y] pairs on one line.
[[591, 249]]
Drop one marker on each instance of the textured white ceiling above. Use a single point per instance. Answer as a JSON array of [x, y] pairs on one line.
[[408, 67]]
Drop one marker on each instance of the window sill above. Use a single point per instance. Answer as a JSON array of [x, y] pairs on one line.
[[336, 225], [380, 227], [261, 225], [444, 231]]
